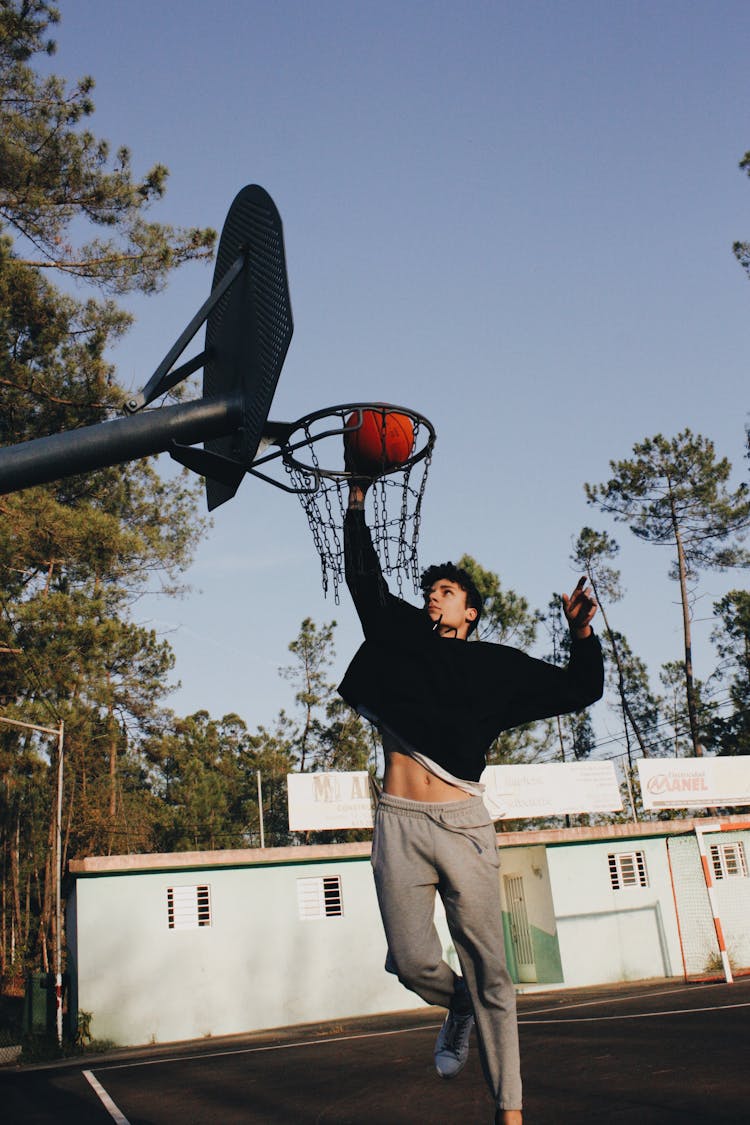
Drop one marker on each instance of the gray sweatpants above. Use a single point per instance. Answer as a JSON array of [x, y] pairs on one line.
[[418, 849]]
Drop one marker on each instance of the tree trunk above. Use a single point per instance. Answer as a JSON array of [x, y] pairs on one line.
[[111, 729], [27, 913], [112, 788], [46, 920], [689, 679], [15, 881], [4, 904], [4, 913], [627, 713]]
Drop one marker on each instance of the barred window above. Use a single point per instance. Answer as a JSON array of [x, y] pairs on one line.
[[188, 908], [320, 897], [627, 869], [728, 861]]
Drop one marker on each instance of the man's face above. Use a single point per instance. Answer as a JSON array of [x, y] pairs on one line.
[[445, 602]]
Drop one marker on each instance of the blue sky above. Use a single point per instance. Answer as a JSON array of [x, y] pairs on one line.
[[515, 218]]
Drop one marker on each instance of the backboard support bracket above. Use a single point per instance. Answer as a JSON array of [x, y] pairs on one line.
[[212, 466], [163, 379]]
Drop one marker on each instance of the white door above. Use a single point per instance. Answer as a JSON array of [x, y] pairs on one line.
[[519, 928]]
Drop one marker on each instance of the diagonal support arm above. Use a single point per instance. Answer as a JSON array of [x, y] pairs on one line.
[[161, 380]]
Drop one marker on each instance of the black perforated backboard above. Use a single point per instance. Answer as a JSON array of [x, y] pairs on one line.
[[250, 329]]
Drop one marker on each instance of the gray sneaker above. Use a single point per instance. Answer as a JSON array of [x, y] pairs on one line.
[[452, 1045]]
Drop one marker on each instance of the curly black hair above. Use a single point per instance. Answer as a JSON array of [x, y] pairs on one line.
[[462, 578]]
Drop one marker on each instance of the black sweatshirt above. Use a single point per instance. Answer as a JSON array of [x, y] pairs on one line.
[[447, 698]]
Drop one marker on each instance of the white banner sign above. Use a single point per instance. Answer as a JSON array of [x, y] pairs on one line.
[[328, 800], [551, 789], [683, 783]]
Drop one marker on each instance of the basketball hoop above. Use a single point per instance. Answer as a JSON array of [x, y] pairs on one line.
[[309, 446]]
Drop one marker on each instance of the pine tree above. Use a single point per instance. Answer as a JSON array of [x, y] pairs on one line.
[[592, 553], [53, 171], [575, 731], [203, 771], [729, 733], [313, 654], [76, 554], [272, 753], [675, 493], [672, 706], [741, 250], [506, 616]]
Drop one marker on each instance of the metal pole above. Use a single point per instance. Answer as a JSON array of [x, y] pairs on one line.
[[699, 831], [112, 443], [260, 811], [58, 889]]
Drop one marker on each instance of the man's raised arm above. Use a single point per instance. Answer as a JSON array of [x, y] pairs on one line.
[[361, 564]]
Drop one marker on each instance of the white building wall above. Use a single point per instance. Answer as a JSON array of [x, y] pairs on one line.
[[733, 902], [608, 935], [732, 896], [258, 965]]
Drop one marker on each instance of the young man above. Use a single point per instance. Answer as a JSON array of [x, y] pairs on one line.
[[439, 703]]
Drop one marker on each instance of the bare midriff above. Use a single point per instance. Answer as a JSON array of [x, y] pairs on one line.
[[404, 777]]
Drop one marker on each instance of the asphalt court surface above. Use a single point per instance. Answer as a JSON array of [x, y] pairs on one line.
[[663, 1053]]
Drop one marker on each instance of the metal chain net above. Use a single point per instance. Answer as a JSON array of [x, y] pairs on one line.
[[396, 514]]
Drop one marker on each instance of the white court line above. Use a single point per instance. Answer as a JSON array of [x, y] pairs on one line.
[[637, 1015], [621, 999], [272, 1047], [105, 1099], [400, 1031]]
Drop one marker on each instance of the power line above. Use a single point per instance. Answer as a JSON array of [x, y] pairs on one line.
[[678, 729]]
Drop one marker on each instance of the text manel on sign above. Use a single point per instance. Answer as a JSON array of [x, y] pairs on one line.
[[551, 789], [328, 800], [682, 783]]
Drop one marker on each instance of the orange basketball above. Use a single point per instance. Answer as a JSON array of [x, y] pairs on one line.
[[383, 441]]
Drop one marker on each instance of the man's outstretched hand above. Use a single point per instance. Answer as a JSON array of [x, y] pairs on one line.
[[579, 609]]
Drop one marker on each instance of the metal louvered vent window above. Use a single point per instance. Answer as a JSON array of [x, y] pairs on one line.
[[627, 869], [320, 897], [188, 908], [728, 861]]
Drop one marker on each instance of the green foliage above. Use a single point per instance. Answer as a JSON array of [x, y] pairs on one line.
[[575, 733], [201, 769], [628, 675], [273, 757], [83, 1030], [76, 554], [729, 731], [676, 493], [592, 553], [328, 735], [346, 741], [313, 654], [506, 617], [679, 741], [55, 173], [203, 773], [741, 250]]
